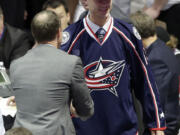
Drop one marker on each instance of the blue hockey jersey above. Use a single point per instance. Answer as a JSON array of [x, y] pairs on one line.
[[112, 69]]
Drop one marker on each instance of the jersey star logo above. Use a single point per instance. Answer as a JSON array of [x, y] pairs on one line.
[[104, 75]]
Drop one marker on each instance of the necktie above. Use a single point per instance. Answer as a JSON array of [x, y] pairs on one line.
[[100, 34]]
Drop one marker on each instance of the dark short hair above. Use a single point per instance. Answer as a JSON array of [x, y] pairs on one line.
[[45, 26], [144, 24], [18, 131], [54, 4]]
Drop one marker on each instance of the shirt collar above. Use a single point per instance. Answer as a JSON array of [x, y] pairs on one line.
[[37, 45], [95, 27]]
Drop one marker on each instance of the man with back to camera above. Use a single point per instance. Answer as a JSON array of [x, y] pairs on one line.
[[46, 80], [114, 65]]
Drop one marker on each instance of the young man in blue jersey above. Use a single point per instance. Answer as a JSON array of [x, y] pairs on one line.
[[114, 65]]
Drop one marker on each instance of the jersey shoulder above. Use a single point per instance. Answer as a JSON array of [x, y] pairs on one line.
[[127, 28], [72, 31]]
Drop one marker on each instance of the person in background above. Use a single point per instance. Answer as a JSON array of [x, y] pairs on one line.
[[164, 68], [19, 13], [170, 41], [61, 9], [85, 6], [167, 11], [45, 81], [173, 42], [14, 42], [72, 4], [81, 10], [114, 65], [14, 11]]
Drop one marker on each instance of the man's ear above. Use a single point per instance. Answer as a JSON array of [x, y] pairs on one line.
[[68, 17], [59, 36]]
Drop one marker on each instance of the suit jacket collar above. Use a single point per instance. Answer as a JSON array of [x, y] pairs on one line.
[[153, 45]]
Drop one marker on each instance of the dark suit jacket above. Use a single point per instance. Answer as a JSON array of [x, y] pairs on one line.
[[164, 67], [44, 81], [14, 44]]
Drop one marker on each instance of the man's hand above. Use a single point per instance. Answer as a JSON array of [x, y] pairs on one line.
[[154, 13], [157, 132], [155, 8], [73, 111], [11, 101]]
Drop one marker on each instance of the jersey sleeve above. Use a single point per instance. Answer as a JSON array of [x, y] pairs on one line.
[[143, 83]]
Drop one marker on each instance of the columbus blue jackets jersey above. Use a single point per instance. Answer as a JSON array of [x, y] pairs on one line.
[[112, 69]]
